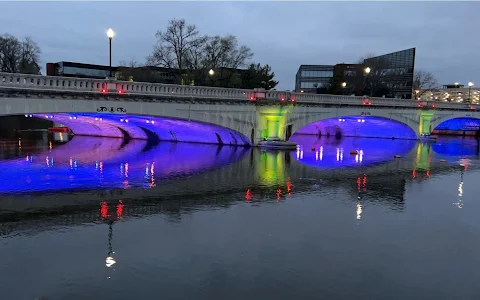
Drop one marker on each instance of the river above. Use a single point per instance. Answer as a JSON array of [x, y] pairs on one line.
[[102, 218]]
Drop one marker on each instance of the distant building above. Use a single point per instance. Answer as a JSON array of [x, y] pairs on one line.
[[312, 77], [73, 69], [391, 75], [81, 70], [451, 93], [147, 74]]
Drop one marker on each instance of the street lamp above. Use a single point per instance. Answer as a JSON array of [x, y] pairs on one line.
[[344, 85], [110, 34], [367, 71], [416, 94], [470, 84], [211, 72]]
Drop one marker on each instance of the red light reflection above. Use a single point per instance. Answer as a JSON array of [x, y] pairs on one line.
[[104, 210], [120, 209], [279, 194], [248, 195]]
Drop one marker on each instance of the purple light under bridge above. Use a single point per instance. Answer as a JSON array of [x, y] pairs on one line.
[[146, 127], [358, 126]]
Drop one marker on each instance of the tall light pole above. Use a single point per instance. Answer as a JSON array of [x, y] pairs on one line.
[[367, 71], [110, 34], [470, 84]]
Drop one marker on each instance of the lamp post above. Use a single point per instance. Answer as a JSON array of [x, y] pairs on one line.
[[416, 94], [470, 84], [110, 34], [367, 71], [344, 85]]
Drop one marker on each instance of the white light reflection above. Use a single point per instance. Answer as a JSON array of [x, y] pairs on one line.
[[459, 204], [321, 153], [359, 211], [359, 157], [339, 154], [299, 153], [110, 261]]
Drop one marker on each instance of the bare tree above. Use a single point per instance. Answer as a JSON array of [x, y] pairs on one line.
[[423, 82], [173, 45], [362, 59], [19, 56], [225, 54]]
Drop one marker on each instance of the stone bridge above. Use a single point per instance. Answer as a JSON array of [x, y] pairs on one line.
[[215, 115]]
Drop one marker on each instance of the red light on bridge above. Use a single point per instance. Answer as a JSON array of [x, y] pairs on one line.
[[472, 107], [419, 105], [283, 100], [433, 105], [366, 102], [120, 91], [104, 91], [252, 98], [292, 100]]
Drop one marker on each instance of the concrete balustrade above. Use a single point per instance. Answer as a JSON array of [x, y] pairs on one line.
[[83, 85]]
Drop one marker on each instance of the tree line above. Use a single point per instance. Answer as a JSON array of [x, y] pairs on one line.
[[19, 56], [201, 60]]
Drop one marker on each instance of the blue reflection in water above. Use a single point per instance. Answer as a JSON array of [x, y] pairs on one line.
[[86, 163], [454, 146], [333, 153]]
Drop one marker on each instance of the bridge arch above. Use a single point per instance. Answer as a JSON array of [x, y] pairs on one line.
[[465, 125], [454, 120], [227, 124], [365, 121], [357, 126]]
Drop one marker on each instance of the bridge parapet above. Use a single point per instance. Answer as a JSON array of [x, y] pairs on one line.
[[99, 86], [103, 86]]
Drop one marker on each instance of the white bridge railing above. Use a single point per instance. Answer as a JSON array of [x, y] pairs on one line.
[[85, 85]]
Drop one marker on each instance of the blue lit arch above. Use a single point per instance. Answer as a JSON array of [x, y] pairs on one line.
[[358, 126], [146, 127], [459, 124]]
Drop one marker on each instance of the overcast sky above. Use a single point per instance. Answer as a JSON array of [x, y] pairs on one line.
[[282, 34]]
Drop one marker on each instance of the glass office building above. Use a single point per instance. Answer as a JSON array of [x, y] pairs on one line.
[[311, 77], [391, 74]]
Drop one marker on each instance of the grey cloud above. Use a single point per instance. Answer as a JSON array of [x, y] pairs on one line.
[[282, 34]]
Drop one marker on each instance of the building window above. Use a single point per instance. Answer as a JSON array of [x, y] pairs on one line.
[[349, 73], [311, 73]]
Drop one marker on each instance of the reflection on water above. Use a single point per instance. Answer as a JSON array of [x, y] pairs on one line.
[[191, 221], [85, 163]]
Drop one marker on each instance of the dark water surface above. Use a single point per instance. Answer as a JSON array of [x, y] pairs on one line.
[[97, 218]]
